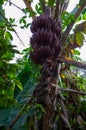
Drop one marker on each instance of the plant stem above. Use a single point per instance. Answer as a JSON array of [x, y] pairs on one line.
[[65, 34], [72, 62]]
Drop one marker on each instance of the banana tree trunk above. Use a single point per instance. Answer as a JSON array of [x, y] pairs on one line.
[[46, 95]]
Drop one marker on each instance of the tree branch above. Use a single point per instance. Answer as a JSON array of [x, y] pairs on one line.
[[12, 28], [28, 5], [72, 62], [68, 90], [73, 91], [65, 34], [57, 10], [64, 115], [65, 5], [66, 121], [10, 3]]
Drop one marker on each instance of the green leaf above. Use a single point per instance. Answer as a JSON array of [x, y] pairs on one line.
[[81, 2], [10, 28], [51, 3], [1, 2], [22, 20], [84, 16], [1, 64], [7, 56], [76, 52], [79, 38], [15, 51], [22, 97], [19, 85], [38, 8], [8, 35], [6, 102], [21, 121], [27, 91], [67, 18], [11, 20], [4, 114]]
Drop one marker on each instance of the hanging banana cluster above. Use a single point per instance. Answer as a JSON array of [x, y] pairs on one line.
[[45, 39]]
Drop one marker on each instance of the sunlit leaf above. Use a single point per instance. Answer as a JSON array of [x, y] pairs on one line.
[[63, 76], [76, 52], [79, 37], [19, 85], [8, 35]]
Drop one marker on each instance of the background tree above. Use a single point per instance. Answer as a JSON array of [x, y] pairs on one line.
[[46, 91]]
